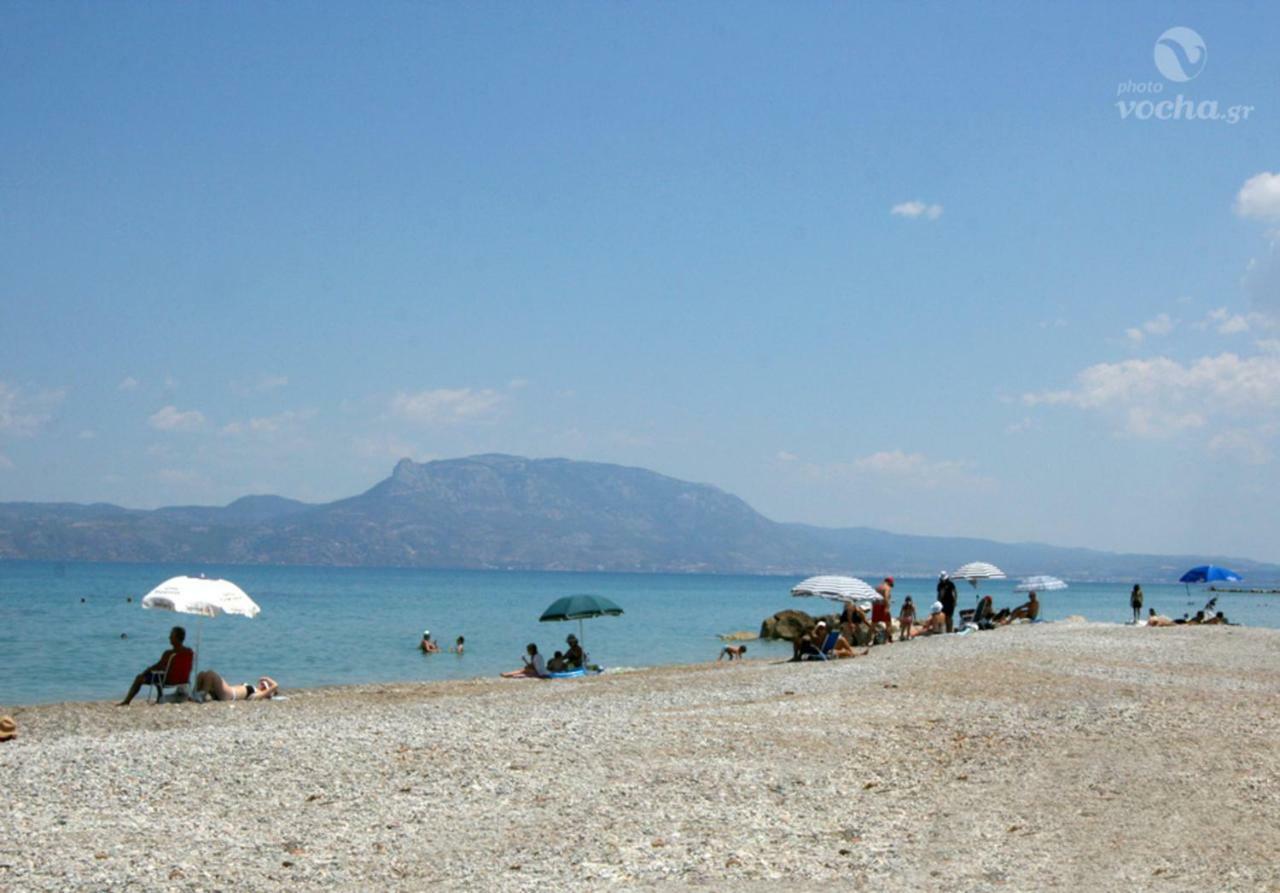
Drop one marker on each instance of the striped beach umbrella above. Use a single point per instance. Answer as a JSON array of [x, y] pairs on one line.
[[978, 570], [837, 589]]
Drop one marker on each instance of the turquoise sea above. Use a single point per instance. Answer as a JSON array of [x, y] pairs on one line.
[[323, 626]]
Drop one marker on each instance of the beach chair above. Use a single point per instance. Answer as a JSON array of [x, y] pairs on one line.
[[176, 675], [824, 653]]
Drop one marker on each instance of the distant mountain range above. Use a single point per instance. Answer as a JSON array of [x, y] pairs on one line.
[[507, 512]]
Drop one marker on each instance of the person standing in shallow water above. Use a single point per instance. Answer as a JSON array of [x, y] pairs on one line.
[[1135, 602]]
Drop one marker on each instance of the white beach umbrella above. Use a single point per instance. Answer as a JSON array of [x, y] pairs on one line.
[[1041, 583], [202, 597], [838, 589], [198, 595], [978, 570]]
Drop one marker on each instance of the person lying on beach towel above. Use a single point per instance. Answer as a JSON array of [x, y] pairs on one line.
[[210, 683], [1154, 619], [534, 666]]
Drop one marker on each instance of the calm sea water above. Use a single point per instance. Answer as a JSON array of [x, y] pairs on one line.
[[324, 625]]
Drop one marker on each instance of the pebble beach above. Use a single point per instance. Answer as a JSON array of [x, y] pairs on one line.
[[1056, 756]]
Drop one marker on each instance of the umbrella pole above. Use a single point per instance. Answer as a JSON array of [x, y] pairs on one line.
[[195, 660]]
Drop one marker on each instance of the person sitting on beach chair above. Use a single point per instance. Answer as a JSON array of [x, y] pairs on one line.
[[821, 643], [843, 648], [810, 645], [211, 684], [1029, 610], [732, 652], [984, 616], [168, 670]]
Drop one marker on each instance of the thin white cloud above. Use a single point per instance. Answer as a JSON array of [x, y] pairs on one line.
[[259, 385], [271, 382], [5, 462], [288, 421], [170, 418], [179, 476], [899, 463], [1259, 197], [1160, 324], [1224, 322], [387, 446], [784, 456], [1248, 445], [446, 405], [1262, 279], [23, 413], [1160, 397], [128, 383], [893, 468], [916, 209]]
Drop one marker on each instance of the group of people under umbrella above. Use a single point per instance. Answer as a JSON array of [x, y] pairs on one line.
[[202, 597], [867, 618]]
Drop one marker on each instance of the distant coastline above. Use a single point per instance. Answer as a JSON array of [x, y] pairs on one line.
[[499, 512]]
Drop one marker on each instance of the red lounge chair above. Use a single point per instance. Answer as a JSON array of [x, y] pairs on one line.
[[176, 675]]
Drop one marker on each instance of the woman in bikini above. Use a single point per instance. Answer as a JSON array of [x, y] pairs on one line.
[[210, 683]]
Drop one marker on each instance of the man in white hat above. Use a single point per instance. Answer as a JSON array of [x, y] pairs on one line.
[[428, 645]]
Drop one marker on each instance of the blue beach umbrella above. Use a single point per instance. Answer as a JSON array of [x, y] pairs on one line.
[[1207, 573], [579, 608]]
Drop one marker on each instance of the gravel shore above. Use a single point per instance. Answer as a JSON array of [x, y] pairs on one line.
[[1064, 755]]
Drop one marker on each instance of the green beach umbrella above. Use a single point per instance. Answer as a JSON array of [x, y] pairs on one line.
[[579, 608]]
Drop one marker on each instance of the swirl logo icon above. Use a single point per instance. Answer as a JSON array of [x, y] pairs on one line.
[[1180, 54]]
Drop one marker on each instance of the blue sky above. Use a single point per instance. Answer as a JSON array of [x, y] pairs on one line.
[[904, 266]]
